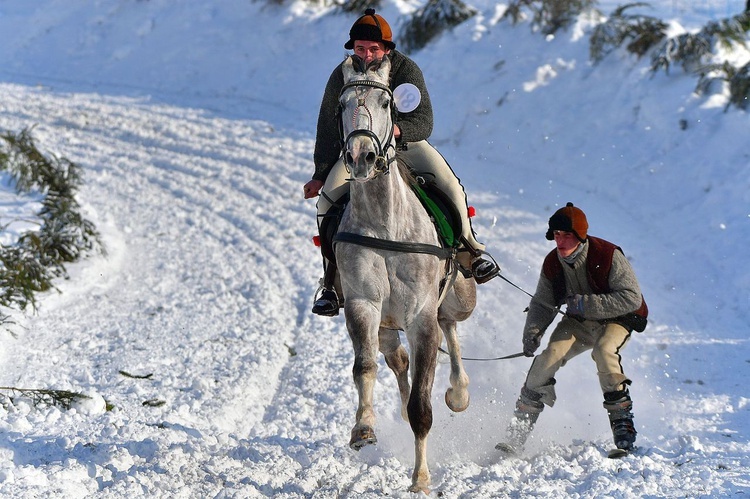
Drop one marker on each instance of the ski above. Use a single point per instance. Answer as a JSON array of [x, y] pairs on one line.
[[506, 448], [617, 453]]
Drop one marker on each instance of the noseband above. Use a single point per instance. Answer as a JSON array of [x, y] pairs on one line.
[[382, 163]]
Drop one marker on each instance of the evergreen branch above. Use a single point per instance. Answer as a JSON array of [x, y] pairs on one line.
[[548, 15], [357, 6], [29, 266], [640, 31], [59, 398]]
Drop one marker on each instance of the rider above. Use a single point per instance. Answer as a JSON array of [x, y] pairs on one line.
[[371, 38]]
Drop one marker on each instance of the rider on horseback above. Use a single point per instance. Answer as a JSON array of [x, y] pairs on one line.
[[371, 39]]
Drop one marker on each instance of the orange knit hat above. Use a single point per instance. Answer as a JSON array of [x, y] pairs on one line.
[[569, 219], [371, 27]]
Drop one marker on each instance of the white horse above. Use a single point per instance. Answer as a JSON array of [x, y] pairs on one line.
[[391, 267]]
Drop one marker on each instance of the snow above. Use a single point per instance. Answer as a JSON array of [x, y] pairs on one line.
[[194, 125]]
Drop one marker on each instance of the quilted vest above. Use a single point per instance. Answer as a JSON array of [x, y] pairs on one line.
[[598, 266]]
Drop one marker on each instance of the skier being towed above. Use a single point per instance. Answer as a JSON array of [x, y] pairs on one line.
[[604, 305]]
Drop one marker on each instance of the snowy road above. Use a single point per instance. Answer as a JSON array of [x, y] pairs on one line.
[[206, 256], [196, 330], [205, 294]]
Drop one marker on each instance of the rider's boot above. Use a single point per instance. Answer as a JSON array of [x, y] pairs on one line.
[[326, 299], [484, 270], [619, 407], [471, 258]]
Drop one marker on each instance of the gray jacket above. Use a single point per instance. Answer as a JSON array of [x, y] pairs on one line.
[[624, 296]]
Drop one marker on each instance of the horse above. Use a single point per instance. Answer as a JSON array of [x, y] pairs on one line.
[[391, 266]]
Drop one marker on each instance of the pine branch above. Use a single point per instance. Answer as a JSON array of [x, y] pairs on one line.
[[548, 15], [58, 398], [38, 257], [641, 33]]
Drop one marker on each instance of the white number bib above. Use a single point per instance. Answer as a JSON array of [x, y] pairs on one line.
[[407, 97]]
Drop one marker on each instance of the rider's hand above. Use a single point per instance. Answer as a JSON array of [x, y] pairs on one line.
[[312, 188]]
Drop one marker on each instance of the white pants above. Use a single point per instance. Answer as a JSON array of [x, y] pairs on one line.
[[423, 158]]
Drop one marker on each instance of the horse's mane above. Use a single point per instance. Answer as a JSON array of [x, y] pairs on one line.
[[405, 169]]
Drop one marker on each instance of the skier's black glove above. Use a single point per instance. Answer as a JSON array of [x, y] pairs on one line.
[[531, 342]]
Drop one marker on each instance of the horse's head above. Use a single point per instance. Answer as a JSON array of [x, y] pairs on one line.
[[367, 118]]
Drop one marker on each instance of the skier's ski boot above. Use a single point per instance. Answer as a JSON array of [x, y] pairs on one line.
[[619, 407], [528, 408]]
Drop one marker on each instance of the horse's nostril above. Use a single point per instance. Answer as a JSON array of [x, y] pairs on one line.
[[371, 157], [348, 158]]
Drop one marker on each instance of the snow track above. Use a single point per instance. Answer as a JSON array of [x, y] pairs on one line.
[[201, 219], [196, 325]]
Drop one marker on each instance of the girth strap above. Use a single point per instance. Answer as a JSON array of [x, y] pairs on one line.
[[386, 244]]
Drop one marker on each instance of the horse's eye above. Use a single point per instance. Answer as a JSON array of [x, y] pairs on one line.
[[385, 104]]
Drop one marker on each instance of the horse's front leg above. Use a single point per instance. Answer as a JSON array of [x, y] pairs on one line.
[[457, 396], [424, 343], [397, 359], [363, 321]]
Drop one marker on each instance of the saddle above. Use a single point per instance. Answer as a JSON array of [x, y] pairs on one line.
[[442, 211], [436, 203]]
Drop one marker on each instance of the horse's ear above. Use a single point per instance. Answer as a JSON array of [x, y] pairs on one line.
[[348, 68]]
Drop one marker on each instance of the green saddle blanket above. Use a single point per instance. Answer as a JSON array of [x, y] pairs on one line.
[[446, 223]]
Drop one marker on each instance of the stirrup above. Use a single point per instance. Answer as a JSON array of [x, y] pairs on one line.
[[327, 304], [484, 270]]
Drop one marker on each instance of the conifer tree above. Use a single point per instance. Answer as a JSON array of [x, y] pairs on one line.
[[431, 20]]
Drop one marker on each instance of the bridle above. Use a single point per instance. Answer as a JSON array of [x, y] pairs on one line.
[[382, 161], [382, 167]]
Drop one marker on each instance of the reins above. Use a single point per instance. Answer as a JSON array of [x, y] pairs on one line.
[[519, 354], [511, 356]]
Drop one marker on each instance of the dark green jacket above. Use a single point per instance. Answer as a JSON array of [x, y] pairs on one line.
[[415, 126]]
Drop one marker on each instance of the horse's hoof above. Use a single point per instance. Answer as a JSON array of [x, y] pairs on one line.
[[361, 437], [455, 406], [415, 487]]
